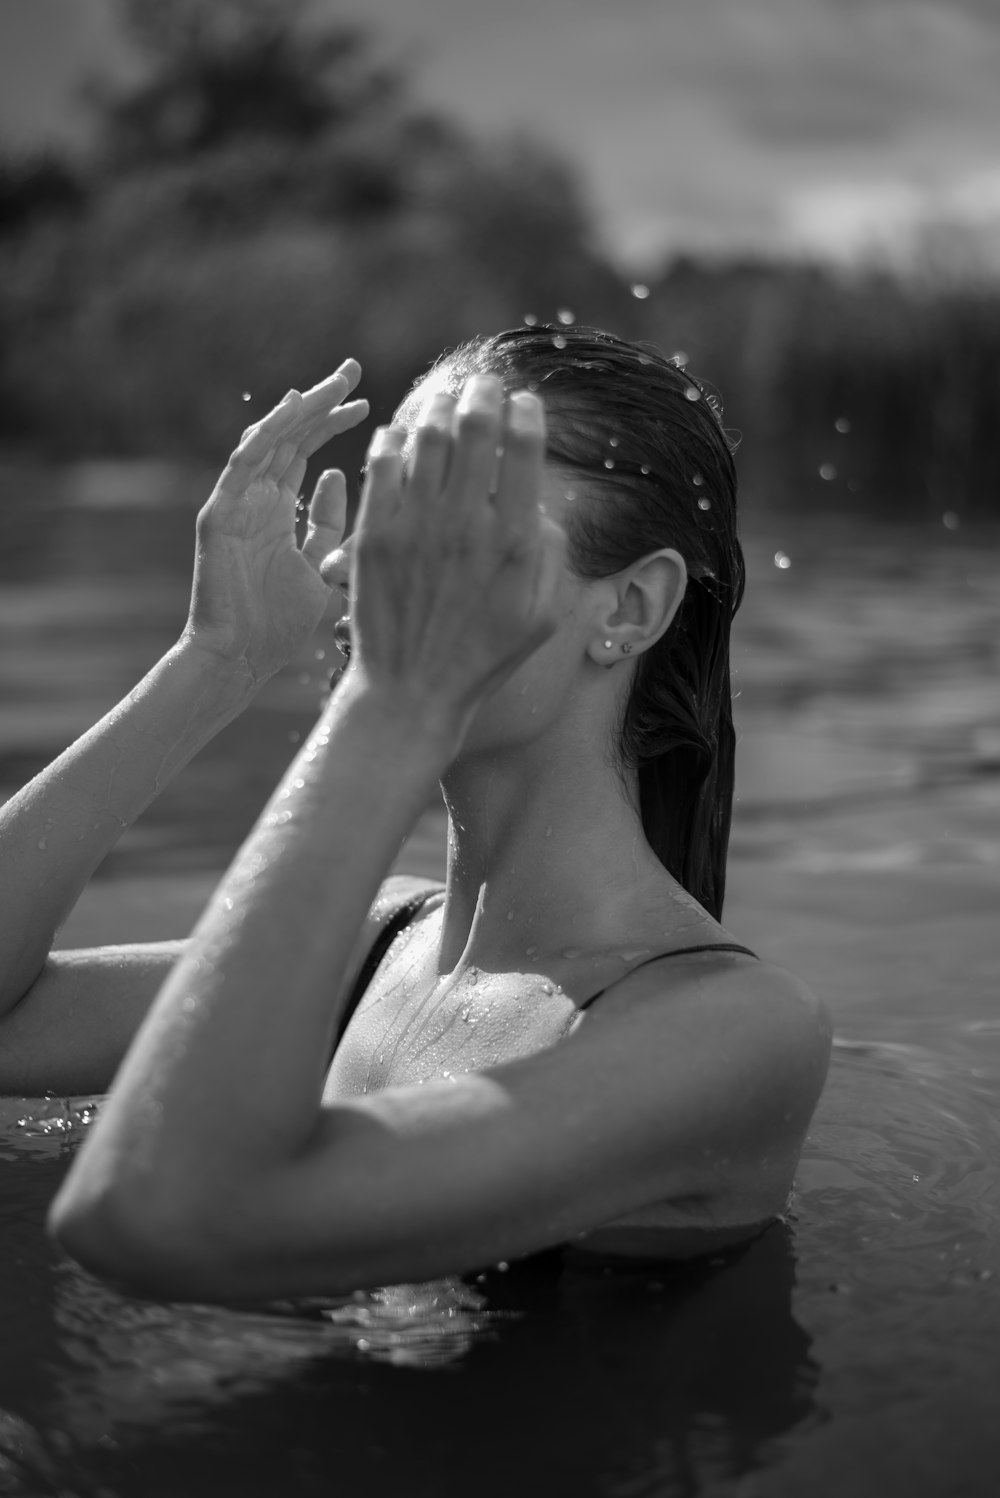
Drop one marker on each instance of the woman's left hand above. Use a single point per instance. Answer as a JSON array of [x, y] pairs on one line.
[[456, 569], [257, 597]]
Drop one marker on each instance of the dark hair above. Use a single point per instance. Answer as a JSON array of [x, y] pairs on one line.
[[648, 436]]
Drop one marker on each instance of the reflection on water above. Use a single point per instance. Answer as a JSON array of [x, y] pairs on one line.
[[652, 1380], [853, 1348]]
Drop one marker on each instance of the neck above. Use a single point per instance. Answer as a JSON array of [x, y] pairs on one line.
[[545, 855]]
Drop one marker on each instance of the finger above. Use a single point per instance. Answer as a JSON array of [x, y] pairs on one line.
[[521, 466], [288, 460], [382, 494], [258, 443], [317, 402], [477, 437], [327, 516], [331, 424], [293, 476], [348, 374], [432, 443], [282, 458]]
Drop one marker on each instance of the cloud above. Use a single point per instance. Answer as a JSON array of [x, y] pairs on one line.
[[692, 123]]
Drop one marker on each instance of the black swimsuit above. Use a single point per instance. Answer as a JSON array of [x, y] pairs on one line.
[[404, 915]]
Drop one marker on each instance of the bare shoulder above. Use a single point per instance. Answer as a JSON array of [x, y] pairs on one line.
[[752, 1037]]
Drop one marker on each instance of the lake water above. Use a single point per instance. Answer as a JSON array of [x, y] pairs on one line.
[[854, 1349]]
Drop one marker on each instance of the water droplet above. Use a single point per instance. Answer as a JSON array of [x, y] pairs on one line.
[[320, 655], [530, 951], [533, 384], [42, 843], [246, 396], [547, 988], [298, 784], [782, 560], [362, 1344], [558, 342], [228, 902], [510, 915], [613, 442], [827, 471], [565, 316], [609, 462], [572, 952], [446, 1074], [692, 393], [639, 291], [474, 976], [950, 520], [679, 357], [644, 469], [503, 1266], [704, 504], [842, 424], [529, 319], [697, 479], [294, 737], [570, 496]]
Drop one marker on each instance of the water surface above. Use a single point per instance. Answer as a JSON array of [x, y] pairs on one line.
[[855, 1348]]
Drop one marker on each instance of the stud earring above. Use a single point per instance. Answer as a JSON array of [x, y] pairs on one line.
[[626, 648], [607, 644]]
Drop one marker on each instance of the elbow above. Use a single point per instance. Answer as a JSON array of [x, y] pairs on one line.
[[156, 1254]]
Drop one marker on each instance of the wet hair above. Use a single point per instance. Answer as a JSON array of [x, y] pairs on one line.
[[657, 470]]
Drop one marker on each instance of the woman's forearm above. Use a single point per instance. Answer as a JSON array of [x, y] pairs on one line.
[[232, 1056], [56, 831]]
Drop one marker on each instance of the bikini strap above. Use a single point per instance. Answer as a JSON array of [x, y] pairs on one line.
[[712, 946], [396, 923]]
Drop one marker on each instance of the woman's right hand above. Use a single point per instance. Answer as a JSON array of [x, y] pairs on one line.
[[455, 569], [257, 597]]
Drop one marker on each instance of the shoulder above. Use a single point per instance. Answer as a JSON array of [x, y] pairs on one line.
[[754, 1034]]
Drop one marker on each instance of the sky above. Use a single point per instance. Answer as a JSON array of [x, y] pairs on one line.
[[824, 127]]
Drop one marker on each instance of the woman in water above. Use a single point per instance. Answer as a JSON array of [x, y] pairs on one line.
[[343, 1079]]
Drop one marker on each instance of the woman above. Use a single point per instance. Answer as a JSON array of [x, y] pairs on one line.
[[539, 620]]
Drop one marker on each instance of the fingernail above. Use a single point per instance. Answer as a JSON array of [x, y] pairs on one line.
[[386, 440], [526, 410], [481, 390]]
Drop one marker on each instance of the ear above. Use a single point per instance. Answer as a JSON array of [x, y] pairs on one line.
[[641, 604]]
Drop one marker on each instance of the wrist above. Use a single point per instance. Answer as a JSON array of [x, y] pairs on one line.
[[232, 682], [432, 732]]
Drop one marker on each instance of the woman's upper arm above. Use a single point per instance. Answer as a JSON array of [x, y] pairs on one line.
[[70, 1031], [663, 1100]]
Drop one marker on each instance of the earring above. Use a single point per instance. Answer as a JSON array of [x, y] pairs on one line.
[[626, 648], [607, 644]]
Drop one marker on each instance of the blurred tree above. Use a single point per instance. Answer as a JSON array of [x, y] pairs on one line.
[[37, 186], [231, 70]]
